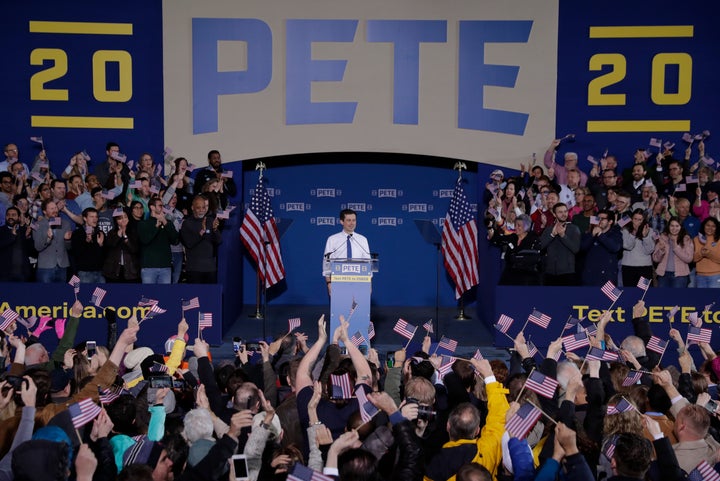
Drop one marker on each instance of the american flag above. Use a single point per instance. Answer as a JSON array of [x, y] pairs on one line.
[[38, 140], [523, 421], [541, 384], [367, 409], [532, 349], [154, 311], [571, 322], [643, 283], [591, 329], [460, 242], [193, 303], [405, 329], [447, 343], [300, 472], [611, 291], [158, 367], [357, 339], [478, 355], [632, 378], [703, 472], [353, 307], [7, 318], [537, 317], [260, 235], [83, 412], [694, 319], [446, 364], [428, 326], [75, 283], [205, 319], [576, 341], [609, 450], [672, 312], [504, 323], [106, 396], [596, 354], [371, 330], [97, 296], [55, 221], [621, 406], [293, 323], [341, 388], [147, 302], [698, 334], [657, 345]]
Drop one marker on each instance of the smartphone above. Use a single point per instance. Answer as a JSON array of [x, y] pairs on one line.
[[252, 346], [237, 344], [390, 359], [91, 348], [239, 462], [161, 381], [178, 383], [711, 406]]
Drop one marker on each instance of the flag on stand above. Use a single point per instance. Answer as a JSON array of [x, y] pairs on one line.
[[504, 323], [83, 412], [632, 378], [261, 237], [622, 406], [193, 303], [7, 318], [541, 384], [405, 329], [341, 388], [523, 421], [611, 291], [428, 326], [460, 242], [703, 472], [657, 345], [300, 472], [698, 334], [447, 343], [367, 409], [357, 339], [643, 283], [205, 319], [371, 330], [97, 296], [575, 341], [293, 323], [537, 317], [596, 354], [75, 284]]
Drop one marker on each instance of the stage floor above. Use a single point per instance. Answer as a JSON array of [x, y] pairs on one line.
[[471, 334]]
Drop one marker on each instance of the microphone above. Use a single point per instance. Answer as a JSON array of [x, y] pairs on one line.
[[359, 244], [328, 254]]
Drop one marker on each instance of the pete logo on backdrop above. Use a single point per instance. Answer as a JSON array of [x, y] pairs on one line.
[[358, 206], [418, 207], [388, 193], [443, 193], [326, 192], [387, 221], [295, 206], [323, 220]]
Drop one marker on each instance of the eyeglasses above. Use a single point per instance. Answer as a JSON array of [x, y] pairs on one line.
[[11, 150]]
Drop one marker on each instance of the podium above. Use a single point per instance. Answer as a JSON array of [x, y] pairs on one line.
[[350, 296]]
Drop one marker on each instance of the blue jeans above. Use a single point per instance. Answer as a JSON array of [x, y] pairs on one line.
[[53, 274], [707, 281], [671, 280], [155, 275], [91, 277], [177, 264]]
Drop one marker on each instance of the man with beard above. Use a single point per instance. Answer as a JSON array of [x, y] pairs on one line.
[[16, 245]]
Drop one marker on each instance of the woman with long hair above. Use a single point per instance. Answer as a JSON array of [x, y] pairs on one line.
[[673, 252], [638, 246], [707, 254]]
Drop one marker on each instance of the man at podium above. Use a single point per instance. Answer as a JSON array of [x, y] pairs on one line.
[[347, 244]]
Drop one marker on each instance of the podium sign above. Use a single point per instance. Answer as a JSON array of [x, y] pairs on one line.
[[350, 296]]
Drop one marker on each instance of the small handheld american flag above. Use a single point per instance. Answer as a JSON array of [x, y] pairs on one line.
[[504, 323], [7, 318], [371, 330], [357, 339], [540, 319], [541, 384], [97, 296], [293, 324], [612, 292], [405, 329], [83, 412], [205, 319], [447, 343], [341, 388], [75, 283], [523, 421], [193, 303], [428, 326]]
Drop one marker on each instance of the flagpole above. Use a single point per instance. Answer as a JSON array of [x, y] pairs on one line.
[[523, 386], [563, 330], [199, 330], [413, 335], [526, 322], [544, 413]]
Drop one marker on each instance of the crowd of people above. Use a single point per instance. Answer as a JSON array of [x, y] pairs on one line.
[[658, 219], [119, 221], [295, 409]]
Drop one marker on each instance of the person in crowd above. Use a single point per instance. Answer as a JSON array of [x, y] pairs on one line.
[[200, 234], [561, 243], [16, 247], [673, 254], [215, 170], [52, 242], [122, 261], [707, 254], [561, 171], [638, 247], [601, 247], [521, 252], [156, 235], [88, 247]]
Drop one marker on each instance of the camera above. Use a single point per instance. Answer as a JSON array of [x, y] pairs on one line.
[[424, 412]]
